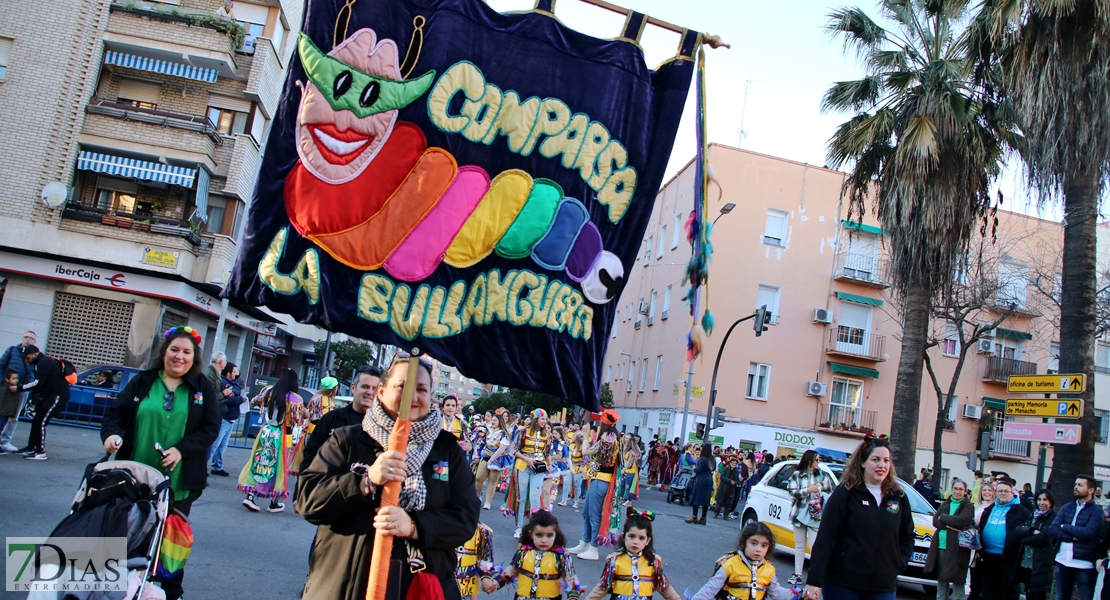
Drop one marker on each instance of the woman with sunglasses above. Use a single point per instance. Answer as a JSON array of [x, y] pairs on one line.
[[172, 404], [341, 493], [866, 535]]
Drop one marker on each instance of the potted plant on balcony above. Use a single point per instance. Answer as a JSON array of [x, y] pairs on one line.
[[141, 224], [109, 218]]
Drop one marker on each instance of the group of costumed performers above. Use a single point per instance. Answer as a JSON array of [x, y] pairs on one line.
[[531, 449], [277, 450]]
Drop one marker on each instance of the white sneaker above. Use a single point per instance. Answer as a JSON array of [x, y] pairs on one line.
[[563, 503], [9, 448], [486, 506], [581, 547], [575, 506], [589, 554], [516, 534], [37, 456]]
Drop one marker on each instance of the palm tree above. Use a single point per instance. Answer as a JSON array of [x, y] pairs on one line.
[[1055, 64], [922, 149]]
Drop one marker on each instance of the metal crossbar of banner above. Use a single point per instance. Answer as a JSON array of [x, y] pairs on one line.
[[712, 41]]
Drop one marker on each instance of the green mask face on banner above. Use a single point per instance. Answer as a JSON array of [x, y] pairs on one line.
[[347, 88]]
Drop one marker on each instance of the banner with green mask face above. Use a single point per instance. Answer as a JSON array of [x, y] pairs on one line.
[[470, 183]]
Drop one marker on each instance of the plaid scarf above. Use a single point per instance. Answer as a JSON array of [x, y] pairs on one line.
[[378, 426]]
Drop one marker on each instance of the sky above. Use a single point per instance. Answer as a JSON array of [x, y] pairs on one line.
[[785, 53]]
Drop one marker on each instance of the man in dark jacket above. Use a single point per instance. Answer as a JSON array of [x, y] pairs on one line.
[[230, 394], [49, 395], [364, 390], [12, 360], [1077, 528]]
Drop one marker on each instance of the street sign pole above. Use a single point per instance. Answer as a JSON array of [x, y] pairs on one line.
[[1040, 469]]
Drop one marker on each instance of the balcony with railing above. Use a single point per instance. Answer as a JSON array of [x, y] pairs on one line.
[[242, 171], [857, 343], [846, 420], [149, 30], [863, 269], [1000, 369], [133, 221], [1009, 447], [192, 138]]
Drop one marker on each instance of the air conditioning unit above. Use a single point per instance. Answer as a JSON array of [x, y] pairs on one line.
[[822, 315], [248, 45], [816, 388], [987, 334], [972, 411], [643, 307], [984, 346]]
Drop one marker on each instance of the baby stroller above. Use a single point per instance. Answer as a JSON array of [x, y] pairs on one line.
[[121, 498], [680, 485]]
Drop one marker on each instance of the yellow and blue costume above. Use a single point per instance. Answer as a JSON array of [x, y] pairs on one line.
[[475, 560], [632, 577], [542, 574], [736, 578]]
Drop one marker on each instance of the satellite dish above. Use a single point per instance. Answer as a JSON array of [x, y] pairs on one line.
[[55, 194]]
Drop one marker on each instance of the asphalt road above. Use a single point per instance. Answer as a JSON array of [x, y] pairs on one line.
[[261, 555]]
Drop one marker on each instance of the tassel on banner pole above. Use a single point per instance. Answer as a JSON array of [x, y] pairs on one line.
[[378, 580]]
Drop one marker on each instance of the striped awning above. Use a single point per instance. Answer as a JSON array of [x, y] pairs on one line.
[[154, 65], [139, 169]]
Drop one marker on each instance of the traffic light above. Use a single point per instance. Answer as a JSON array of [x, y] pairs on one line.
[[762, 317], [972, 461], [718, 418], [700, 431], [985, 447]]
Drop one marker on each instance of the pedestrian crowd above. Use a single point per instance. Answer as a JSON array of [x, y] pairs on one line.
[[178, 417]]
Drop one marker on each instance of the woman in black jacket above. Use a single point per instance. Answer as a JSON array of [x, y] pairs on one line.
[[1001, 551], [1038, 560], [866, 535], [174, 405], [702, 490], [339, 491]]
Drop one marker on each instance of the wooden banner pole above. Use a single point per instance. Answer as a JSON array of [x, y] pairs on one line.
[[391, 491]]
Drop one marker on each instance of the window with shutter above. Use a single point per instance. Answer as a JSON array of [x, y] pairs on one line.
[[89, 331], [5, 55], [143, 94]]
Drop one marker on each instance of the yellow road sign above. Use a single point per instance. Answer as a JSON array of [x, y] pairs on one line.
[[1060, 409], [1047, 384]]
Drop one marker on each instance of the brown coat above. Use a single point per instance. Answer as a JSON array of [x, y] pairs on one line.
[[955, 564]]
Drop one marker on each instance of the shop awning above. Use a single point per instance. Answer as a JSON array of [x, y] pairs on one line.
[[139, 169], [1014, 335], [859, 299], [853, 370], [164, 67], [861, 227], [995, 403]]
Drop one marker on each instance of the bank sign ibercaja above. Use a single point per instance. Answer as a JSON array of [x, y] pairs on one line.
[[474, 184]]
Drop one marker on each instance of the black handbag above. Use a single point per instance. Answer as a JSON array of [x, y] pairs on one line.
[[539, 466]]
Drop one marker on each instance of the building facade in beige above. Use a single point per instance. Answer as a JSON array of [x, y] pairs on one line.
[[144, 124], [823, 374]]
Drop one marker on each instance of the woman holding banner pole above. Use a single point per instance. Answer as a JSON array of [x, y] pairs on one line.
[[340, 492]]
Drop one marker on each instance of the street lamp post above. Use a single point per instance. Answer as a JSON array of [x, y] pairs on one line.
[[727, 208]]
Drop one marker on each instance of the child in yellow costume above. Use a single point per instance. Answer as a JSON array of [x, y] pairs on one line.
[[541, 567], [747, 574], [475, 563], [635, 571]]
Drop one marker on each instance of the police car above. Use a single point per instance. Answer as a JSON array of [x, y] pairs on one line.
[[770, 501]]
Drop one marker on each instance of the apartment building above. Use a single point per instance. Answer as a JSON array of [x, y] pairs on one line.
[[448, 380], [824, 372], [143, 125]]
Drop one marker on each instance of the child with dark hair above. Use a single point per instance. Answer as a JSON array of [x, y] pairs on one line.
[[747, 572], [541, 567], [634, 571]]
